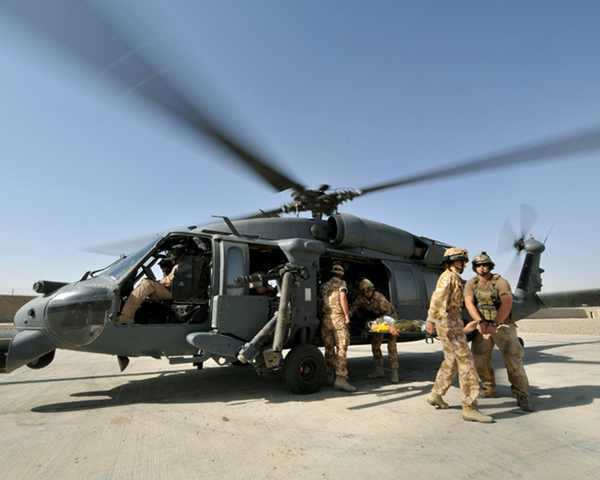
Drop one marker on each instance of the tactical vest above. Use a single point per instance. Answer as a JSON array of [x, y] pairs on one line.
[[488, 301]]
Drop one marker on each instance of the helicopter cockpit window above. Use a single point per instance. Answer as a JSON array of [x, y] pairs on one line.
[[407, 288], [172, 290], [122, 268]]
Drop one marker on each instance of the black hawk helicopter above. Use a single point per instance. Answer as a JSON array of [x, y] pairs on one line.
[[214, 311]]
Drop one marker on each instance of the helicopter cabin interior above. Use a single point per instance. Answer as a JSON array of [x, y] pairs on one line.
[[407, 285], [190, 290], [204, 284]]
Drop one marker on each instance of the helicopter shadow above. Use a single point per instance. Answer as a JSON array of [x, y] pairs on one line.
[[241, 385], [228, 384]]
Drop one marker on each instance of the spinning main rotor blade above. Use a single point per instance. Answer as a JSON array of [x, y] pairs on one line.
[[585, 142], [128, 245], [80, 30]]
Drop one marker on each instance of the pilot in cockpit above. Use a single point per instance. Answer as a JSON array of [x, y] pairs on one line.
[[166, 265], [149, 288]]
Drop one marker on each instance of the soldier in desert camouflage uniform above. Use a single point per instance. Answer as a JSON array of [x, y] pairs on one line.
[[488, 298], [444, 317], [335, 321], [377, 304]]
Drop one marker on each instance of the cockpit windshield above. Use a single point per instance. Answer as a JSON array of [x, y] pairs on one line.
[[124, 266]]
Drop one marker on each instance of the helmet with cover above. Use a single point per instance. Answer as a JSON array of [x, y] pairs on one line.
[[482, 259], [453, 254], [366, 285], [337, 270]]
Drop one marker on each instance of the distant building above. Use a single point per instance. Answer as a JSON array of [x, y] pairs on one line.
[[9, 304]]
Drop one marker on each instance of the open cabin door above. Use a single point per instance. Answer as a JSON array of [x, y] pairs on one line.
[[407, 290], [234, 311]]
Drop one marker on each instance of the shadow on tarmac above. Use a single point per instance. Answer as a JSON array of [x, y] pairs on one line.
[[544, 399], [538, 354], [229, 384], [237, 385]]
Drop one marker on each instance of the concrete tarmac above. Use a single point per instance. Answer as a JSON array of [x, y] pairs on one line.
[[80, 418]]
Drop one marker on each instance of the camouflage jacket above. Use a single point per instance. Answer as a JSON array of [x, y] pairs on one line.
[[329, 296], [377, 304], [447, 297]]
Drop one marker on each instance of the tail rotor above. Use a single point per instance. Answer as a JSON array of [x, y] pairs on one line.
[[509, 240]]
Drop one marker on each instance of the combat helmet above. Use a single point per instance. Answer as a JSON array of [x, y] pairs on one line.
[[453, 254], [365, 285], [482, 259], [337, 270], [176, 252]]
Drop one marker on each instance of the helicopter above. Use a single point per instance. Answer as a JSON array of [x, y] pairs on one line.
[[214, 312]]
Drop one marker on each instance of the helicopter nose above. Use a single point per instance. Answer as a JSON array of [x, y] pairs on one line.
[[72, 317], [23, 348], [31, 315]]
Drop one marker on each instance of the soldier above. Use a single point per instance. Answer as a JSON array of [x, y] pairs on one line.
[[377, 304], [152, 289], [488, 298], [335, 321], [444, 316]]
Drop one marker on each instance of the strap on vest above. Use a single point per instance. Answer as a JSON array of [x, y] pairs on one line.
[[486, 310], [495, 295]]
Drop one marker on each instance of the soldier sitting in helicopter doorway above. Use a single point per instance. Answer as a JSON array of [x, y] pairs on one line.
[[488, 299], [376, 303], [150, 288]]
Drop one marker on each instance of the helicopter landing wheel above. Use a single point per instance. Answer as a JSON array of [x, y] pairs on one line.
[[43, 361], [304, 369]]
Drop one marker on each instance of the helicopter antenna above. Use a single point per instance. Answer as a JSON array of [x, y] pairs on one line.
[[229, 224], [548, 234]]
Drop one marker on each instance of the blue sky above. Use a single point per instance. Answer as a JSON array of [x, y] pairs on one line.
[[348, 93]]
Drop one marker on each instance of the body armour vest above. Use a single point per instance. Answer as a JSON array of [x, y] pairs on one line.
[[488, 301]]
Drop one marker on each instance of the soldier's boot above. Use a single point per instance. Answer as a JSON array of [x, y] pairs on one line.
[[523, 402], [342, 384], [329, 380], [474, 415], [488, 392], [377, 373], [437, 401], [395, 378]]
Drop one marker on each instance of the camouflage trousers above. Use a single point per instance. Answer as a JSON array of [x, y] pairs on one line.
[[376, 341], [336, 338], [512, 353], [457, 358]]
